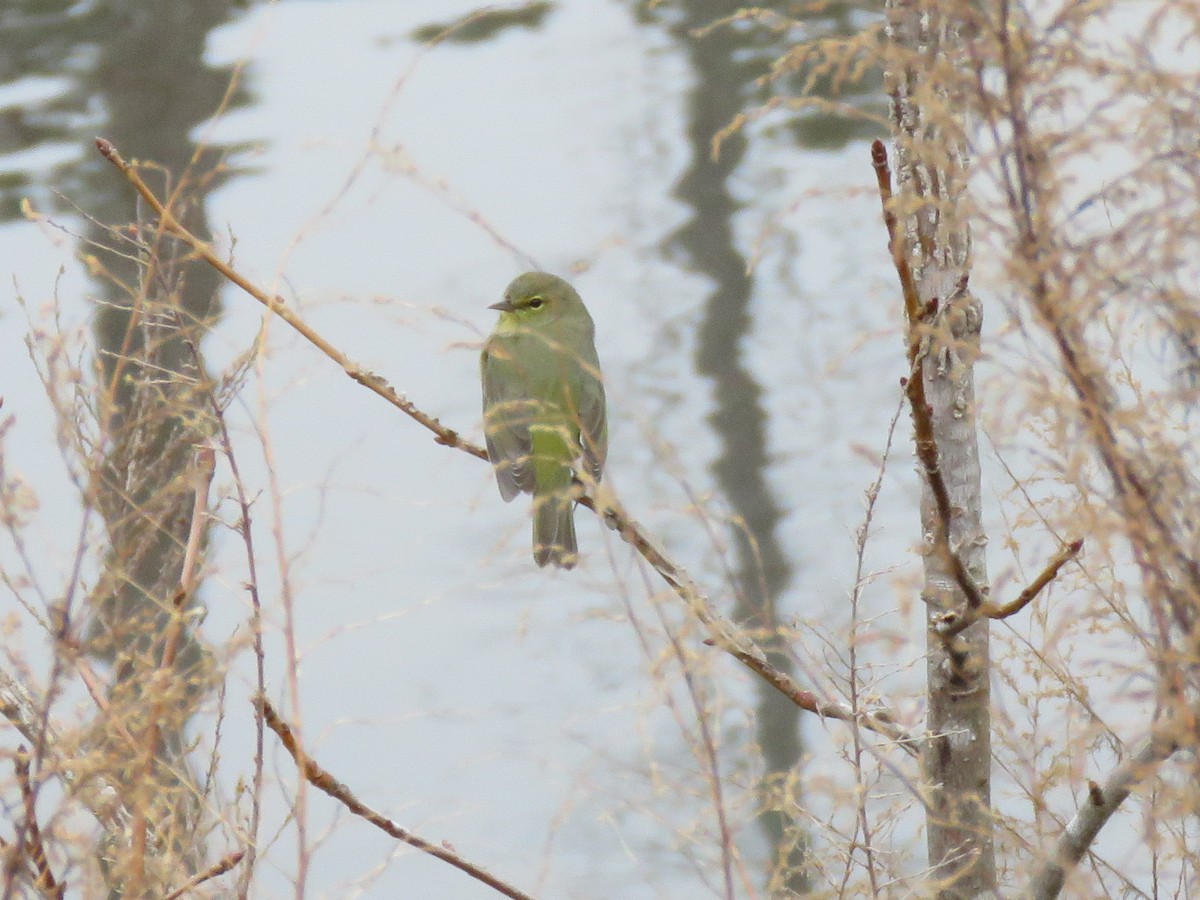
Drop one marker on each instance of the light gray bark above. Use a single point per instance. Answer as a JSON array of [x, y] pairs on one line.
[[957, 758], [931, 169], [1097, 809]]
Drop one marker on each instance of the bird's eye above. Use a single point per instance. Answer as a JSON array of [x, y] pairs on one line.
[[536, 302]]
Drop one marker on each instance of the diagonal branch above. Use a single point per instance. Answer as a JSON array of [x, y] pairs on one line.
[[204, 250], [722, 633], [220, 867], [323, 781], [1101, 803], [957, 621]]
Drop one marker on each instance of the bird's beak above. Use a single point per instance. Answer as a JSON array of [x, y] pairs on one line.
[[503, 306]]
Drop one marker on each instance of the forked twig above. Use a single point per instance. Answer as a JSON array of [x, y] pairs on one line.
[[323, 781], [919, 317], [956, 621]]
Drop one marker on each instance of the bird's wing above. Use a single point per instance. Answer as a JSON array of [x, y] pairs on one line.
[[506, 417], [593, 420]]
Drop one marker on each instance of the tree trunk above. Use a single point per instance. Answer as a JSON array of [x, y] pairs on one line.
[[944, 339]]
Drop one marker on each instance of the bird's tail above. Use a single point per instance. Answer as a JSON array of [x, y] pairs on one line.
[[553, 505], [554, 530]]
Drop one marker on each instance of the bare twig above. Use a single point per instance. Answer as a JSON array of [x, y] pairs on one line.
[[29, 835], [369, 380], [957, 621], [323, 781], [707, 753], [220, 868], [1067, 553], [722, 633], [896, 242], [853, 675], [203, 475], [260, 655], [1101, 803]]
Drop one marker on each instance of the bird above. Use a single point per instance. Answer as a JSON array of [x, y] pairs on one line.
[[544, 409]]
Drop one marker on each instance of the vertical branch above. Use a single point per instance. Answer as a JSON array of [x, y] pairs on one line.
[[244, 528], [931, 247], [161, 683], [856, 688], [151, 420]]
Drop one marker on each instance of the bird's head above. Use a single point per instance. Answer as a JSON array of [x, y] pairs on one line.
[[537, 297]]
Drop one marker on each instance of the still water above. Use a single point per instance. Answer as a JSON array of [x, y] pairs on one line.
[[389, 188]]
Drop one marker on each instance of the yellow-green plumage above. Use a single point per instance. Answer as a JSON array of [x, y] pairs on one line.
[[543, 406]]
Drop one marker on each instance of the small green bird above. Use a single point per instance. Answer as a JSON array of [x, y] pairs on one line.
[[543, 406]]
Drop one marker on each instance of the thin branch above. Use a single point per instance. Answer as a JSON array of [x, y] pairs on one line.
[[722, 633], [853, 675], [204, 250], [221, 867], [202, 475], [956, 621], [29, 835], [707, 756], [896, 243], [256, 625], [323, 781], [1048, 574], [1101, 803]]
